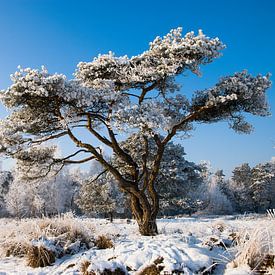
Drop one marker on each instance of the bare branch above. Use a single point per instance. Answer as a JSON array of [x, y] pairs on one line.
[[74, 154], [51, 137], [79, 161], [130, 94], [99, 175]]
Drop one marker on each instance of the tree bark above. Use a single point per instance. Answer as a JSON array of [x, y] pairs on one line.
[[111, 217], [148, 227], [145, 217]]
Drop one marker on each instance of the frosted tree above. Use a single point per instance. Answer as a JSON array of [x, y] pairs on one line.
[[112, 97], [52, 194], [213, 199], [263, 186], [240, 187], [23, 200], [59, 192], [99, 196], [6, 179], [253, 188]]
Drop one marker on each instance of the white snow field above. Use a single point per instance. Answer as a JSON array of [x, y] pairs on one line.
[[187, 245]]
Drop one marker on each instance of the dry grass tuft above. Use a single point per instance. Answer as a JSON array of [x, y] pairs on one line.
[[266, 263], [256, 250], [153, 269], [84, 267], [212, 242], [16, 249], [39, 256], [103, 242], [150, 270], [219, 225], [234, 237], [67, 230], [64, 231]]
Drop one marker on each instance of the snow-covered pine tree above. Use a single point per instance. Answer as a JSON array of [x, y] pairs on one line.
[[6, 179], [112, 97], [240, 186], [253, 189], [263, 186], [99, 196]]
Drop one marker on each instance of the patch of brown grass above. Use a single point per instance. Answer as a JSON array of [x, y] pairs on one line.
[[212, 242], [103, 242], [234, 237], [266, 263], [219, 225], [153, 269], [39, 256], [16, 249], [84, 267]]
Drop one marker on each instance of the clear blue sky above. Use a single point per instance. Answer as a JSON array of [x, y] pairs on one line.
[[61, 33]]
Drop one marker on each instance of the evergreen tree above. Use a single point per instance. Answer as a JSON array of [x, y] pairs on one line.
[[112, 97]]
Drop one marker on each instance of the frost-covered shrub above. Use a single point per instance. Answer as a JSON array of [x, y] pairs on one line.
[[256, 249], [65, 234]]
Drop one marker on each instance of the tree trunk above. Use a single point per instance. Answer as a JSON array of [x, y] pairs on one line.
[[148, 227], [111, 216], [145, 217]]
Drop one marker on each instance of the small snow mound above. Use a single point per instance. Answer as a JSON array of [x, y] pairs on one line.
[[100, 267], [177, 254]]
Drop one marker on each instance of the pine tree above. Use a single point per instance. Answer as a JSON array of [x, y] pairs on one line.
[[112, 97]]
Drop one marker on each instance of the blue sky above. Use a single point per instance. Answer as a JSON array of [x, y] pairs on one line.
[[61, 33]]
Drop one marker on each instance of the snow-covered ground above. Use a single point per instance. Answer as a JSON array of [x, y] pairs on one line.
[[201, 245]]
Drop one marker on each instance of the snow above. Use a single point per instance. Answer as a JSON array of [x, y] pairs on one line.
[[181, 244], [243, 270]]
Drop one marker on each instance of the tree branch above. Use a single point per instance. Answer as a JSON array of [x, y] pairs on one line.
[[190, 117], [51, 137], [95, 133], [144, 163], [79, 161], [67, 159], [122, 154], [99, 175], [145, 90]]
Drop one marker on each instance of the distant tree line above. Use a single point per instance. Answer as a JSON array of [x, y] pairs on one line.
[[184, 188]]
